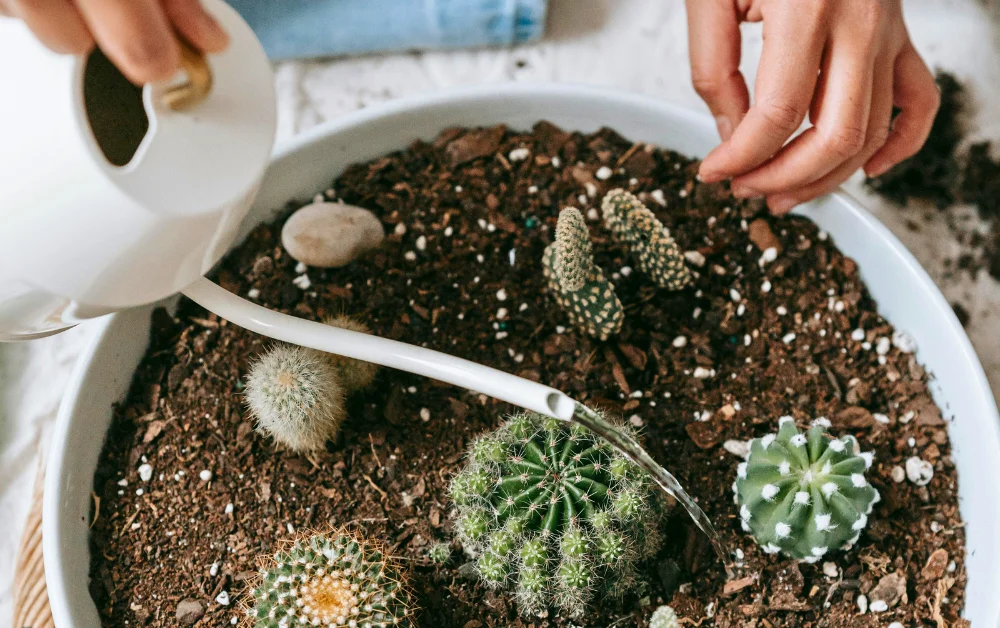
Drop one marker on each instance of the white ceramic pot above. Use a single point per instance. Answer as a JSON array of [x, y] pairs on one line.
[[905, 294]]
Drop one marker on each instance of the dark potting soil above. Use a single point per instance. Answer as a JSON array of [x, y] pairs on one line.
[[461, 272]]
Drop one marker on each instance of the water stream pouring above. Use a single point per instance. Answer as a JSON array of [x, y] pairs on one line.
[[98, 219]]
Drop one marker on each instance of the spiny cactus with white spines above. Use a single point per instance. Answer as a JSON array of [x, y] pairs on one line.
[[664, 617], [804, 494], [296, 396], [555, 514], [355, 374], [330, 580], [439, 553], [636, 226], [575, 281]]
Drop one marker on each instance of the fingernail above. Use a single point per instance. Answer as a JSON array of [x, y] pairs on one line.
[[877, 169], [725, 126], [740, 190], [709, 176], [781, 204]]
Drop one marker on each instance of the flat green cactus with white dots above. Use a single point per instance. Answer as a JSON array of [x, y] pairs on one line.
[[804, 494], [554, 514]]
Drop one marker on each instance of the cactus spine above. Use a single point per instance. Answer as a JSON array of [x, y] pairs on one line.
[[555, 514], [664, 617], [296, 396], [804, 494], [577, 284], [336, 579], [636, 226]]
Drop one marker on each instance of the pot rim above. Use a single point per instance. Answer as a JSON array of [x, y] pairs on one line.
[[62, 591]]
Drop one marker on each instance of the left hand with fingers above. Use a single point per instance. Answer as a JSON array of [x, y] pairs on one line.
[[843, 63]]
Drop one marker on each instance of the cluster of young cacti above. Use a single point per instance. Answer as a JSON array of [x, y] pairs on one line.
[[636, 226], [335, 579], [298, 396], [804, 494], [577, 284], [664, 617], [555, 514], [439, 553]]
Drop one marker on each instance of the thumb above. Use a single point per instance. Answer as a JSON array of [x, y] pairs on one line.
[[714, 47]]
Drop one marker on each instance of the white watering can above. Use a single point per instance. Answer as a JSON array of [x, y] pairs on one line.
[[112, 197]]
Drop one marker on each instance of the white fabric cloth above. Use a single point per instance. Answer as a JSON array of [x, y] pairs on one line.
[[633, 45]]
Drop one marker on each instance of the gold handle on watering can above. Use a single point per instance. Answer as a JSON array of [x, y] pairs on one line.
[[198, 84]]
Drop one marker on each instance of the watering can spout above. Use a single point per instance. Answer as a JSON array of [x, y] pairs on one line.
[[116, 195]]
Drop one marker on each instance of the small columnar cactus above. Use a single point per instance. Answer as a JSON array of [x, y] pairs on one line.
[[335, 579], [355, 374], [578, 285], [636, 226], [804, 494], [664, 617], [555, 514], [296, 396]]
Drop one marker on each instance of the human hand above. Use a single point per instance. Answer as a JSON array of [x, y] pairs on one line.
[[844, 63], [139, 36]]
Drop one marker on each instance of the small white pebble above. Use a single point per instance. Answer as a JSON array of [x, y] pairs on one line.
[[919, 471], [907, 417], [830, 569], [879, 606], [301, 268], [591, 189], [635, 420], [214, 569], [400, 229], [739, 448], [425, 414], [734, 295], [560, 329], [145, 473], [502, 313], [935, 527], [592, 214], [501, 335], [532, 189], [302, 282], [253, 293], [881, 418], [223, 598], [448, 231], [896, 624], [421, 243], [769, 255], [410, 256], [556, 162], [695, 257], [700, 372], [904, 341], [765, 287], [626, 271], [603, 173], [741, 309], [519, 154], [781, 310], [788, 338], [229, 509], [898, 475], [863, 604], [501, 295], [205, 475], [458, 189], [858, 335], [680, 341], [658, 196], [882, 345]]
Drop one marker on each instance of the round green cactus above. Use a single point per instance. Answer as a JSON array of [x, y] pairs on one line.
[[635, 225], [296, 396], [578, 285], [664, 617], [804, 494], [439, 553], [336, 579], [555, 514]]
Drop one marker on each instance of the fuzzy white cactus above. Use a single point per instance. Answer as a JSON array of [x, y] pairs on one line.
[[664, 617], [355, 374], [296, 397]]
